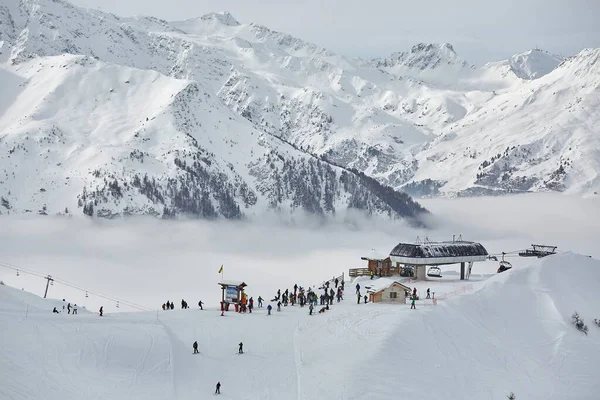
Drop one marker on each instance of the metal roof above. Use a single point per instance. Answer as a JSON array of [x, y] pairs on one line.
[[438, 253]]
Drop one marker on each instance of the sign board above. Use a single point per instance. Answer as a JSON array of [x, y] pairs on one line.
[[231, 294]]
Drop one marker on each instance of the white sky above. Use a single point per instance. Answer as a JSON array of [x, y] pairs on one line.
[[480, 30]]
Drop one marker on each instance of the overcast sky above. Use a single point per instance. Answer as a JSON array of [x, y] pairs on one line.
[[480, 30]]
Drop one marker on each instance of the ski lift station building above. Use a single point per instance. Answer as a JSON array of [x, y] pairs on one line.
[[429, 254]]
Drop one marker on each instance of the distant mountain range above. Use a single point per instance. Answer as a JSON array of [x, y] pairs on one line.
[[113, 116]]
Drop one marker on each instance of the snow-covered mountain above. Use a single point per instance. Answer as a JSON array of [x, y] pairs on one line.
[[531, 64], [110, 139], [254, 103]]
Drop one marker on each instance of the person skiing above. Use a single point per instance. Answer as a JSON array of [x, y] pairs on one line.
[[63, 305], [358, 288], [260, 300], [182, 304], [310, 309], [241, 348], [195, 346], [74, 309], [279, 306], [55, 311], [69, 308], [218, 390], [200, 303], [412, 303], [172, 306], [428, 293], [101, 310], [269, 308], [168, 305]]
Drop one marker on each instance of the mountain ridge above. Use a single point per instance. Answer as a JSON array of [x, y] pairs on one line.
[[362, 117]]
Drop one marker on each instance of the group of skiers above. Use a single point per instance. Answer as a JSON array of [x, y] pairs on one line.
[[184, 305], [70, 309], [359, 296]]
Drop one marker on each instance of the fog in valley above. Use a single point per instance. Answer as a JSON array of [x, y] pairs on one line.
[[147, 261]]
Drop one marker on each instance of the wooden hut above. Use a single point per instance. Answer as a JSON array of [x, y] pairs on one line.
[[388, 291], [379, 264]]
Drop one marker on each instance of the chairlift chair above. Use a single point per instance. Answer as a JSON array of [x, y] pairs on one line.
[[434, 272], [504, 265]]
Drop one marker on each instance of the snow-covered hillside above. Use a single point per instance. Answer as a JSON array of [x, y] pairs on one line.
[[511, 333], [226, 118]]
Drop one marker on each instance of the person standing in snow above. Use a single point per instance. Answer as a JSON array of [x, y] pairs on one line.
[[365, 298], [414, 292], [310, 309], [195, 346], [412, 303], [218, 390], [172, 306], [63, 305], [200, 303], [101, 310], [241, 348], [74, 309], [336, 282], [278, 306], [428, 293], [358, 297], [260, 300], [372, 274], [358, 288], [69, 308], [269, 308]]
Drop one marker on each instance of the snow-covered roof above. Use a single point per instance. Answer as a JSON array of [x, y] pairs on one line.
[[375, 255], [439, 249], [377, 285], [232, 283]]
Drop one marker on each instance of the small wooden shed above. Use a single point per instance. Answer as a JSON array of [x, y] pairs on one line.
[[388, 292]]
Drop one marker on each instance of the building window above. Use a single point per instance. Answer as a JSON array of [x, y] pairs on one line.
[[393, 295]]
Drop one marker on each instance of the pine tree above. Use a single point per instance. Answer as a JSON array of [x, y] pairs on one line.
[[579, 324]]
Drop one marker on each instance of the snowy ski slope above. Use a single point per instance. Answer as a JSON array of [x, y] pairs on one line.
[[511, 333]]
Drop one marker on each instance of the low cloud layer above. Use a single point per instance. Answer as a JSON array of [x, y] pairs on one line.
[[149, 261]]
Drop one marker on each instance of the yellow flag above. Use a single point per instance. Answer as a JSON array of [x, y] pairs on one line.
[[221, 269]]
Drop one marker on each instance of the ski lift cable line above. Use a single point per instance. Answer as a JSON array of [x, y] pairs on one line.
[[75, 286]]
